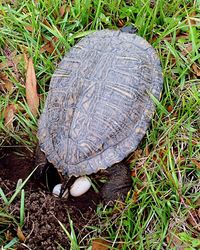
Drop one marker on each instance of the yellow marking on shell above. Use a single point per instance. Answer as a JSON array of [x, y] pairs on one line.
[[122, 92], [126, 57], [140, 131], [61, 75], [78, 47], [148, 112]]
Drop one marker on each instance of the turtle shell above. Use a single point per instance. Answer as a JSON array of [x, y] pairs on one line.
[[99, 103]]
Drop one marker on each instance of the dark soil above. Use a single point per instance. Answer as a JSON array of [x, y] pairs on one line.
[[42, 210]]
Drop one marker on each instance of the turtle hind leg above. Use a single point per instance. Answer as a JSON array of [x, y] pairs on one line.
[[118, 184], [67, 182]]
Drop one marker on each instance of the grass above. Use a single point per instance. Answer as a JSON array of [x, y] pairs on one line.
[[7, 221], [166, 181]]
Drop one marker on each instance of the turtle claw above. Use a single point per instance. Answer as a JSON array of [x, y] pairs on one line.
[[67, 182], [118, 185]]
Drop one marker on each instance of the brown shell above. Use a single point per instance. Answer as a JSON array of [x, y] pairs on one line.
[[99, 107]]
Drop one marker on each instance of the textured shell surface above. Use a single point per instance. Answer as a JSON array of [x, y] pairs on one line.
[[99, 104]]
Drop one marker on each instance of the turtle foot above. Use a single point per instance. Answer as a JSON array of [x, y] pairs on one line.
[[66, 184], [118, 185]]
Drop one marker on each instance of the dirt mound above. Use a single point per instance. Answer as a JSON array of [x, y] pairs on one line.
[[42, 210]]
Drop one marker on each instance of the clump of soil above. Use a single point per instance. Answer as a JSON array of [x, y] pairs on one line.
[[42, 210]]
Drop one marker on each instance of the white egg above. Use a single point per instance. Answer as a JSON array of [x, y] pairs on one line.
[[80, 186], [56, 191]]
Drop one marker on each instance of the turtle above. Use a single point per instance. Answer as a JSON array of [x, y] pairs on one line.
[[99, 107]]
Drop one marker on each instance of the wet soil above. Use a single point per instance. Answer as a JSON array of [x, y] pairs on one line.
[[43, 212]]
